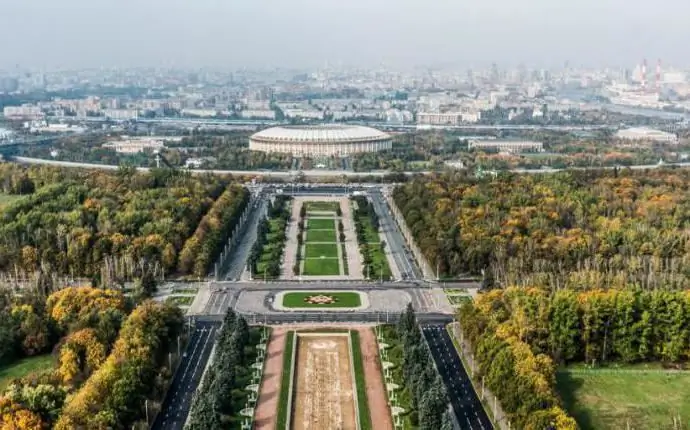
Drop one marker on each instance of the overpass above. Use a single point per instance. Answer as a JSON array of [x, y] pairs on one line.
[[175, 121]]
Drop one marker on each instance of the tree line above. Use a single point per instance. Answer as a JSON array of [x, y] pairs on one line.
[[113, 396], [107, 358], [270, 253], [567, 230], [113, 226], [428, 394], [222, 393], [200, 250]]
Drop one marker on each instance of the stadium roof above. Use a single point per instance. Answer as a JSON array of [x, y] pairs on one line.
[[320, 133]]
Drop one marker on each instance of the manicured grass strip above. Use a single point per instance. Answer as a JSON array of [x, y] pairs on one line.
[[180, 300], [321, 267], [319, 250], [23, 367], [320, 236], [284, 396], [320, 224], [361, 387], [395, 356], [606, 399], [345, 299], [321, 206]]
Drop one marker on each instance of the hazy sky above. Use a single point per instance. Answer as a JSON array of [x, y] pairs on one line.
[[239, 33]]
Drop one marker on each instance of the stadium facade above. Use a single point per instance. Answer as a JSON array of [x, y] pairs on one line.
[[320, 140]]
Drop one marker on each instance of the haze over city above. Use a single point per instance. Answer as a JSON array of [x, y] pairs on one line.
[[309, 33]]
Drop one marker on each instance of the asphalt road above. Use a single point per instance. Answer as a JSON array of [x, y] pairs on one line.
[[394, 238], [221, 300], [178, 400], [466, 405], [239, 256]]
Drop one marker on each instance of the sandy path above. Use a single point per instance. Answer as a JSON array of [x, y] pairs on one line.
[[376, 395], [324, 395], [267, 404]]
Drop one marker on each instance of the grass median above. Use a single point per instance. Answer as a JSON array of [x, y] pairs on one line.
[[338, 300], [283, 413], [360, 381]]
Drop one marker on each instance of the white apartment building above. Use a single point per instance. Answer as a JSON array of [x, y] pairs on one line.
[[135, 145], [512, 146], [648, 134], [121, 114], [23, 112], [258, 113], [447, 118]]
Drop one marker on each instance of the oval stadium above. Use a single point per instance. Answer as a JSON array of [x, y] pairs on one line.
[[320, 140]]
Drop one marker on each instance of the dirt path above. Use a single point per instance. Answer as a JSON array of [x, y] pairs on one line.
[[378, 402], [267, 405]]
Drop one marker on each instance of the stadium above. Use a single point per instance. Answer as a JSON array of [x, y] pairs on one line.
[[320, 140]]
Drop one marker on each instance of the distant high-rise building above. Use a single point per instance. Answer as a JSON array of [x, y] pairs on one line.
[[8, 84]]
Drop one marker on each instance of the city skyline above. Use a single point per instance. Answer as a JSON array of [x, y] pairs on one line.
[[307, 33]]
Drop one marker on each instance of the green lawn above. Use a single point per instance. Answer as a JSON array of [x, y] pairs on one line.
[[321, 236], [361, 388], [459, 300], [319, 250], [185, 290], [23, 367], [609, 399], [284, 396], [321, 224], [321, 206], [395, 356], [379, 261], [180, 300], [346, 299], [321, 267]]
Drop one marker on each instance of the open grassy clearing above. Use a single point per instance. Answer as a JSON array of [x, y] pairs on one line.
[[342, 299], [285, 391], [321, 250], [320, 224], [360, 381], [321, 206], [321, 236], [180, 300], [321, 267], [610, 399], [23, 367]]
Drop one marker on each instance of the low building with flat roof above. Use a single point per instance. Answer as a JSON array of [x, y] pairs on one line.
[[514, 146]]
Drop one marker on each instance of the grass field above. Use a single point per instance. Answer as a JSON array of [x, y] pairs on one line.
[[358, 365], [613, 399], [180, 300], [320, 224], [321, 206], [343, 299], [319, 250], [320, 235], [321, 267], [23, 367], [283, 399]]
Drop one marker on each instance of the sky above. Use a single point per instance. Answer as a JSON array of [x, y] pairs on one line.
[[310, 33]]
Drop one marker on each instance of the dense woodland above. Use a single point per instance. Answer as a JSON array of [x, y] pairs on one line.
[[106, 359], [519, 335], [113, 226], [578, 230]]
